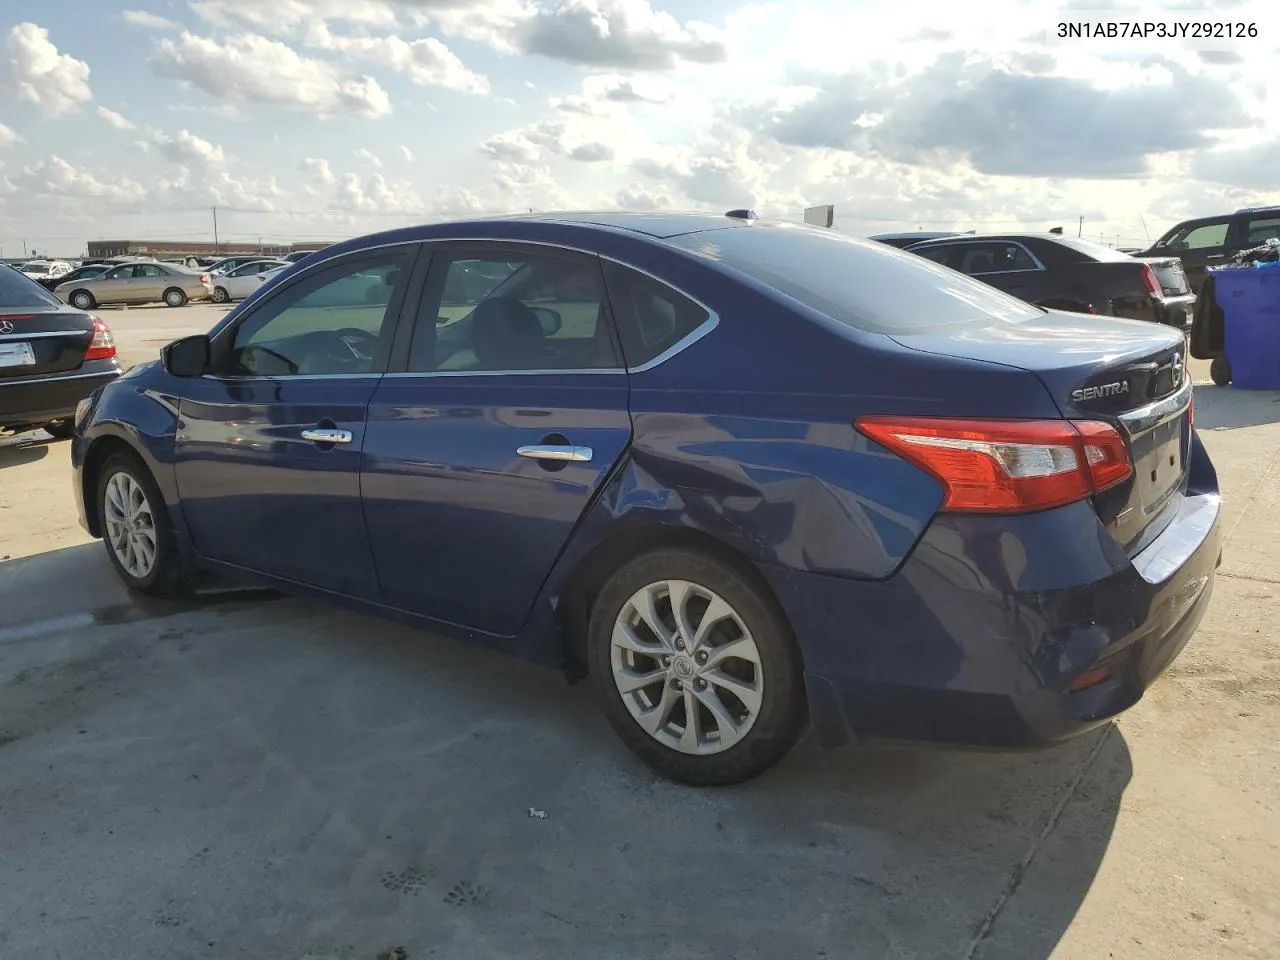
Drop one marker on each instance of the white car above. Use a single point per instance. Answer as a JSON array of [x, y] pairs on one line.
[[45, 269], [243, 280]]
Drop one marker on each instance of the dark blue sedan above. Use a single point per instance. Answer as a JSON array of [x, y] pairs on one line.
[[750, 477]]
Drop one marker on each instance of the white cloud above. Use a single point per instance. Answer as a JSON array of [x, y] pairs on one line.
[[406, 153], [318, 170], [253, 69], [55, 184], [149, 21], [369, 157], [638, 197], [8, 138], [284, 16], [115, 119], [426, 62], [187, 148], [375, 194], [56, 82]]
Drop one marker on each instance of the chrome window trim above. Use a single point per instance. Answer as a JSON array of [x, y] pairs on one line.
[[688, 340], [42, 333], [292, 378]]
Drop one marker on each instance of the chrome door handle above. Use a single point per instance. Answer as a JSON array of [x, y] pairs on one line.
[[548, 452], [322, 435]]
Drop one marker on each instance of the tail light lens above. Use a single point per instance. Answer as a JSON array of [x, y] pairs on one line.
[[103, 345], [1007, 466], [204, 278], [1152, 281]]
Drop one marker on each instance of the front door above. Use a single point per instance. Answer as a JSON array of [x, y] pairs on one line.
[[113, 286], [269, 446], [1199, 246], [507, 415]]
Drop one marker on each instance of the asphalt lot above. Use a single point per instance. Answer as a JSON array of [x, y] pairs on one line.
[[254, 776]]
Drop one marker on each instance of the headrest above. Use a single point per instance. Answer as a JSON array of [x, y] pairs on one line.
[[506, 335]]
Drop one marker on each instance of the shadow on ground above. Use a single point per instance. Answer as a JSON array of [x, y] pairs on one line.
[[23, 448], [249, 778], [1226, 408]]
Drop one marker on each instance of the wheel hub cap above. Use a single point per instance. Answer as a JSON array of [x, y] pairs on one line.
[[131, 530], [687, 668]]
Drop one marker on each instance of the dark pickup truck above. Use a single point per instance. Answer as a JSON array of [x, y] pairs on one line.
[[1067, 273]]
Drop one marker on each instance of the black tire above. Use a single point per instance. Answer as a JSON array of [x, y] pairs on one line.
[[220, 295], [167, 577], [1220, 371], [175, 297], [82, 300], [63, 429], [783, 710]]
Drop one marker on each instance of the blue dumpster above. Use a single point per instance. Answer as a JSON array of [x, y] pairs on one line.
[[1250, 302]]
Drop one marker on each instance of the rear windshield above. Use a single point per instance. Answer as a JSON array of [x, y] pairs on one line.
[[1094, 251], [861, 283], [20, 292]]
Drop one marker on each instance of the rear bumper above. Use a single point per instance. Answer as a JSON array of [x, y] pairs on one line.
[[1176, 311], [979, 638], [41, 399]]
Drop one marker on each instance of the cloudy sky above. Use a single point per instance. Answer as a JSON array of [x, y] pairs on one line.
[[317, 119]]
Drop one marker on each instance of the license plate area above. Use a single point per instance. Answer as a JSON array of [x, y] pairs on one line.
[[1159, 460], [17, 354]]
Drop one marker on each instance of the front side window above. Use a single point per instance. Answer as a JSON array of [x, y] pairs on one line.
[[1204, 236], [513, 312], [120, 273], [150, 270], [333, 322]]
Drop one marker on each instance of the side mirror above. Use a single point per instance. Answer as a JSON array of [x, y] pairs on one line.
[[188, 357], [550, 319]]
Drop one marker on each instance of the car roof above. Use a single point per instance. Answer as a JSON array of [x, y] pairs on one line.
[[658, 225], [967, 237]]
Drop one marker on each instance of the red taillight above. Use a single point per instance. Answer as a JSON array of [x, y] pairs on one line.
[[1152, 281], [103, 345], [204, 278], [1007, 466]]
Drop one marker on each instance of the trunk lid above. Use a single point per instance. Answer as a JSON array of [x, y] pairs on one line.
[[1129, 373], [39, 341]]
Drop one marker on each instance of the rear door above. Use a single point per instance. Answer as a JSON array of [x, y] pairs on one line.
[[502, 418], [150, 281]]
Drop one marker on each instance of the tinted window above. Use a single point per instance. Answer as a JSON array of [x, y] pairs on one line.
[[535, 311], [995, 257], [651, 317], [936, 254], [1200, 237], [860, 283], [333, 322], [17, 290], [1261, 230]]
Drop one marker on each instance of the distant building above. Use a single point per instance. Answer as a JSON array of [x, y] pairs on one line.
[[183, 248]]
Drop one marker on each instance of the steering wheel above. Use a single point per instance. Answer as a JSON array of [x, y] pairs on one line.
[[361, 338]]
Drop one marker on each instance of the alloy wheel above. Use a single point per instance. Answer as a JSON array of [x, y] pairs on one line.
[[687, 667], [131, 527]]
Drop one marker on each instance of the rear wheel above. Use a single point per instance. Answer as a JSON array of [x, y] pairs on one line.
[[1220, 371], [174, 297], [697, 673], [220, 295], [136, 528], [63, 429], [83, 300]]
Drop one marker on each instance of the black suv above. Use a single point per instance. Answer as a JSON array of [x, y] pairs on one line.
[[1210, 241]]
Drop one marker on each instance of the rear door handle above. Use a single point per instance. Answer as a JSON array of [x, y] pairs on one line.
[[542, 451], [325, 435]]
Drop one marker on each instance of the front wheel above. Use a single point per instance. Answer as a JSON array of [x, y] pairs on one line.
[[696, 673], [136, 528], [1220, 371], [174, 297], [220, 295]]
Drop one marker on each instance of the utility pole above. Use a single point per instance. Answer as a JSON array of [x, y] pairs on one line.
[[1080, 228], [24, 248], [215, 230]]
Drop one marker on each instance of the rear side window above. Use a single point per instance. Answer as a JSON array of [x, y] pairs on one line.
[[860, 283], [1259, 231], [651, 316]]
